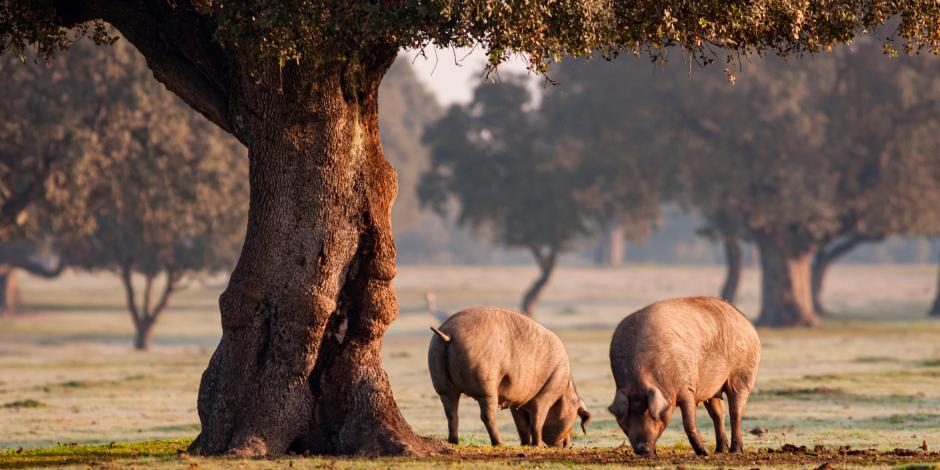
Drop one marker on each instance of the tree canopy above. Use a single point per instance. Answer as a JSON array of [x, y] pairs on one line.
[[187, 42], [334, 30]]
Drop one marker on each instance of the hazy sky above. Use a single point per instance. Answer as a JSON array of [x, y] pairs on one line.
[[452, 82]]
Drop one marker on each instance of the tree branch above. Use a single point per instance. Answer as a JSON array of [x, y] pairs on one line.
[[839, 248], [177, 42], [40, 269], [129, 292], [148, 284], [171, 280]]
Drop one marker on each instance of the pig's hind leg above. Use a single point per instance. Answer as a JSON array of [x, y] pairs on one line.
[[488, 406], [736, 401], [716, 409], [521, 417], [451, 404], [537, 415]]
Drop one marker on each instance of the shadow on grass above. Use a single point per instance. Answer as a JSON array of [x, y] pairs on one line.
[[841, 396]]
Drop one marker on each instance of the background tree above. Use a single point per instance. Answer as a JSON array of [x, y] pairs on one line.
[[143, 186], [822, 158], [45, 112], [542, 178], [768, 172], [309, 301], [881, 130], [615, 137], [491, 163]]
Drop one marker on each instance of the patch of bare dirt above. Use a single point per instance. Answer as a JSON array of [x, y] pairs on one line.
[[816, 457]]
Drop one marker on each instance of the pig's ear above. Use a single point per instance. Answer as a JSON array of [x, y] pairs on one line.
[[584, 414], [656, 403], [619, 407]]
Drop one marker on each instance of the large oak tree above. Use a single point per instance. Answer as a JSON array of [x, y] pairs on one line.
[[303, 317]]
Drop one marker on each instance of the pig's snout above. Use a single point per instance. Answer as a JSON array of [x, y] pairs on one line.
[[643, 449]]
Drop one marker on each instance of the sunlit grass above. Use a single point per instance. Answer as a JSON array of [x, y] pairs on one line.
[[869, 378]]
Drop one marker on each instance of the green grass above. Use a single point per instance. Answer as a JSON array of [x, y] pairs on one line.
[[27, 403], [143, 452]]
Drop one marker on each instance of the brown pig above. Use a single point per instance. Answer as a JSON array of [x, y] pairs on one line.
[[503, 359], [682, 352]]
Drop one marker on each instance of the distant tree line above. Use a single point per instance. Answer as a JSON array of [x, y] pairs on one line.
[[804, 160], [108, 171]]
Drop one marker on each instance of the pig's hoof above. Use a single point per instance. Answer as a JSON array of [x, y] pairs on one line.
[[721, 449], [453, 440], [701, 452], [737, 448]]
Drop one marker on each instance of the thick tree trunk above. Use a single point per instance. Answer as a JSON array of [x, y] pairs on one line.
[[729, 288], [546, 260], [612, 245], [786, 294], [935, 308], [143, 332], [823, 259], [299, 364]]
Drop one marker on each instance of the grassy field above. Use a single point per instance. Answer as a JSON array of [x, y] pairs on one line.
[[867, 379]]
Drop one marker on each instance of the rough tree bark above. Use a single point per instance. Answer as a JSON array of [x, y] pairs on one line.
[[786, 293], [611, 246], [546, 259], [822, 260], [729, 288], [145, 315], [299, 364], [935, 309]]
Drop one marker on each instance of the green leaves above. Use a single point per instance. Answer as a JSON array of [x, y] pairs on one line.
[[544, 31]]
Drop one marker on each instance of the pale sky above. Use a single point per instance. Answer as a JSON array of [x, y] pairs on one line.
[[452, 82]]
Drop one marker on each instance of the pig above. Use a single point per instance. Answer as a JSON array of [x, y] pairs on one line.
[[504, 359], [682, 352]]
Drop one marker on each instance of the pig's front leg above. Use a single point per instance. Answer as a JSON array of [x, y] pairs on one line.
[[521, 417], [687, 407]]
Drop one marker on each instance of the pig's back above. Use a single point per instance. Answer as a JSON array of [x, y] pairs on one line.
[[691, 341], [492, 346]]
